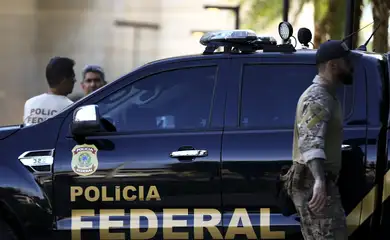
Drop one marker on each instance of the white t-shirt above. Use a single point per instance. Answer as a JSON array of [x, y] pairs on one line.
[[39, 108]]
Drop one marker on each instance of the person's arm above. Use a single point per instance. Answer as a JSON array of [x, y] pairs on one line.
[[316, 167], [311, 130]]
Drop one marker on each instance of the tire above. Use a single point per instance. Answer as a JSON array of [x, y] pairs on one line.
[[6, 232]]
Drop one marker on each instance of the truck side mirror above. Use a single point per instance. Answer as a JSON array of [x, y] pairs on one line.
[[86, 120]]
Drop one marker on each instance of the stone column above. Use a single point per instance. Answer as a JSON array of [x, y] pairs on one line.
[[134, 46], [17, 68], [77, 29]]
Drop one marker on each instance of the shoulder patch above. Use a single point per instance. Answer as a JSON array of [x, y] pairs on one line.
[[314, 114]]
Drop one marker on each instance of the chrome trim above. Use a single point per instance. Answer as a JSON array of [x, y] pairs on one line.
[[38, 160], [346, 147], [189, 153], [85, 113]]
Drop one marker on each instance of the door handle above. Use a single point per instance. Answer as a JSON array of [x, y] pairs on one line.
[[189, 153]]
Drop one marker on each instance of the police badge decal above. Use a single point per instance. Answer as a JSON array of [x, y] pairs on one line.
[[84, 159]]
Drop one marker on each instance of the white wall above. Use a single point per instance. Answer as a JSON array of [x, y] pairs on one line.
[[179, 18], [130, 47], [18, 60]]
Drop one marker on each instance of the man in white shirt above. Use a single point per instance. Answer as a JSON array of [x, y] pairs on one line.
[[61, 79]]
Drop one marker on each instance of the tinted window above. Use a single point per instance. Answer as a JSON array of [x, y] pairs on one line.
[[270, 94], [178, 99]]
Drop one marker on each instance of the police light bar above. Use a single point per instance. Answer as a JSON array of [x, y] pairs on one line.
[[267, 40], [235, 41], [228, 36]]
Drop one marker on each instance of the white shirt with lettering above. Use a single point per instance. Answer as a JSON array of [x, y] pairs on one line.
[[39, 108]]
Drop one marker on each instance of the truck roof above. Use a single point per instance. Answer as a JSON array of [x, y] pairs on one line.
[[247, 44], [301, 55]]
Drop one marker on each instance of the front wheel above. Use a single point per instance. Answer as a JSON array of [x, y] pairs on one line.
[[6, 232]]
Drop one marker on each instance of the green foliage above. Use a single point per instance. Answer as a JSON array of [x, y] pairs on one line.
[[262, 13], [301, 4], [336, 24], [329, 19], [320, 9], [265, 12]]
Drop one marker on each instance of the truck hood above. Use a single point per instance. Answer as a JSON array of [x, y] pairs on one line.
[[8, 130]]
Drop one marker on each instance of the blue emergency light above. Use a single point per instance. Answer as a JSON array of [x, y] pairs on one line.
[[239, 36], [247, 41], [235, 41]]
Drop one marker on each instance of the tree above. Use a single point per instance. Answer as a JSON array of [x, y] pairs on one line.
[[329, 16], [357, 16], [320, 21], [380, 13], [262, 12]]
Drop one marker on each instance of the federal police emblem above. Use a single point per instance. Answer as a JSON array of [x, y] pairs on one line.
[[84, 159]]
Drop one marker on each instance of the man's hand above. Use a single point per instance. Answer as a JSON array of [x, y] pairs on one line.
[[318, 201]]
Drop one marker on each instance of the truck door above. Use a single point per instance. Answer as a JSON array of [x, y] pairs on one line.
[[386, 195], [363, 190], [377, 201], [386, 192], [257, 140], [145, 169]]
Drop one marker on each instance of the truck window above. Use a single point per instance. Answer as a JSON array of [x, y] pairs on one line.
[[270, 94], [177, 99]]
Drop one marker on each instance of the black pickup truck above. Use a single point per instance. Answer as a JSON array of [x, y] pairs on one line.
[[191, 148]]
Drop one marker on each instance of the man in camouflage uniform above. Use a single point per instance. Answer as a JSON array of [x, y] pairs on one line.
[[317, 147]]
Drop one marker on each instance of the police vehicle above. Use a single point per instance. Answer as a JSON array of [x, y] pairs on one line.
[[191, 147]]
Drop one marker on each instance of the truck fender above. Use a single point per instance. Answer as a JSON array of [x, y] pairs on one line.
[[12, 219], [26, 206]]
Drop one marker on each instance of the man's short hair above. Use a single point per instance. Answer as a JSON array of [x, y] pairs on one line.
[[95, 69], [59, 68]]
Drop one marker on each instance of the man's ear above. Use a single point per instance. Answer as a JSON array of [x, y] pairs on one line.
[[332, 64]]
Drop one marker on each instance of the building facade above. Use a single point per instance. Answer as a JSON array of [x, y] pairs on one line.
[[33, 31]]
